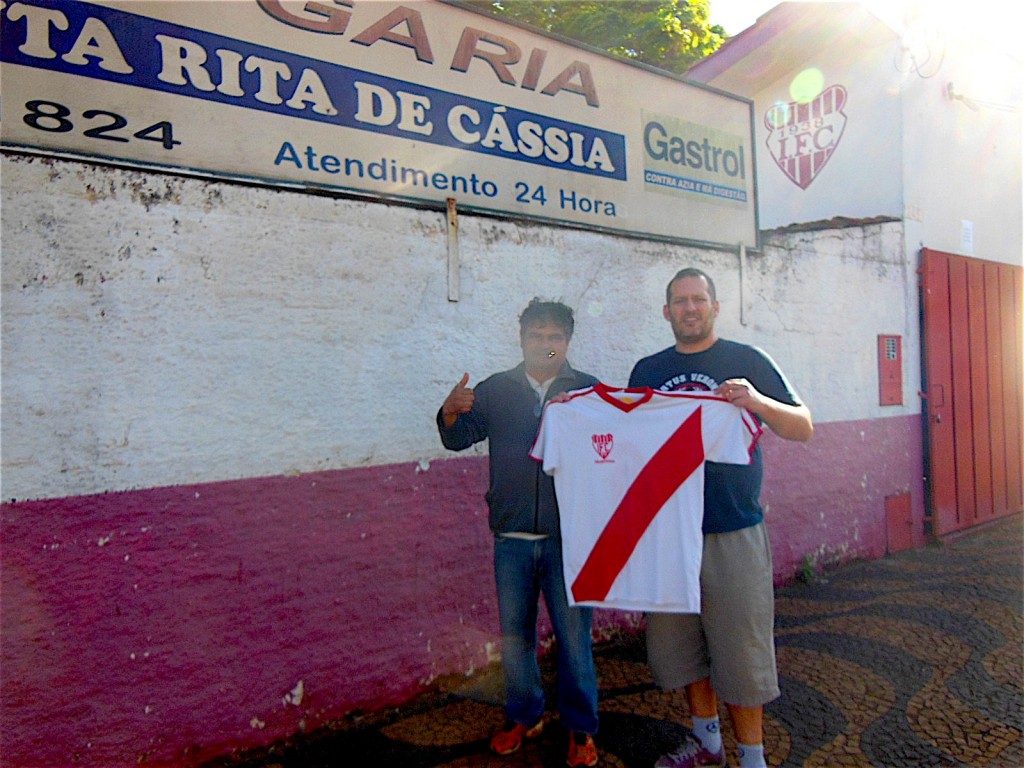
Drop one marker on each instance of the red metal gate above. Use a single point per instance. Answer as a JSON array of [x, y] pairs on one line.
[[973, 389]]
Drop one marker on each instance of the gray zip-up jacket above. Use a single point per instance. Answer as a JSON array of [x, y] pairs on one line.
[[506, 411]]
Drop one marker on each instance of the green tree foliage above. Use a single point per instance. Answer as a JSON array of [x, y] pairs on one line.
[[668, 34]]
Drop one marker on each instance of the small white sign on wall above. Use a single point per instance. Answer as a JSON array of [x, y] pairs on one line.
[[966, 237]]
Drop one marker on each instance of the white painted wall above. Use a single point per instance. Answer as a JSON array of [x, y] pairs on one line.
[[862, 178], [962, 153], [911, 148], [162, 330], [824, 297]]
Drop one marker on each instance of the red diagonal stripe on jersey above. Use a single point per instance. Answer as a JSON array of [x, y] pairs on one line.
[[669, 468]]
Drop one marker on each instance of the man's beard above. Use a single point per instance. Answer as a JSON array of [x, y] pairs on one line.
[[692, 337]]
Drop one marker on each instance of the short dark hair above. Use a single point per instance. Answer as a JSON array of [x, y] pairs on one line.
[[690, 272], [540, 312]]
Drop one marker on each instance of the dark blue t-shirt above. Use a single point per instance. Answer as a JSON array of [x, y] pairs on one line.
[[731, 491]]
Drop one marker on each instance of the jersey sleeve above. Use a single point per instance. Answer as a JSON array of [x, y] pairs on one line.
[[545, 447], [730, 433]]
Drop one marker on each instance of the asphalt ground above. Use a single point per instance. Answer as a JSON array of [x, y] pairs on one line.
[[912, 660]]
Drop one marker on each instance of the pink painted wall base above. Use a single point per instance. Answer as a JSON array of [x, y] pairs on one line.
[[170, 625], [825, 500]]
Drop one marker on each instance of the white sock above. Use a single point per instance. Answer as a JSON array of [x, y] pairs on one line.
[[708, 733], [751, 755]]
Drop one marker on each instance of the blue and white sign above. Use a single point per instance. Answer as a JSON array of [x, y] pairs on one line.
[[417, 102]]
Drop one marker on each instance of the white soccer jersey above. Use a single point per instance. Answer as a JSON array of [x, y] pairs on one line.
[[628, 466]]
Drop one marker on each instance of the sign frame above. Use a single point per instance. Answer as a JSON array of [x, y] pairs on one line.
[[594, 155]]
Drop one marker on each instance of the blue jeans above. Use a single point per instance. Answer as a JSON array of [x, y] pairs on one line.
[[524, 569]]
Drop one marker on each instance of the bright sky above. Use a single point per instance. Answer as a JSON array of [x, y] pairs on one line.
[[737, 15], [999, 18], [994, 25]]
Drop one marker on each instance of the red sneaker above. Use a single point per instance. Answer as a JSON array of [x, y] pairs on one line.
[[510, 737], [582, 750]]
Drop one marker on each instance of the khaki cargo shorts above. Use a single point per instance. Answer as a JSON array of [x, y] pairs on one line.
[[732, 641]]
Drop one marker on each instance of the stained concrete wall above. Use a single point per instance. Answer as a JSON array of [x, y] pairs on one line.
[[221, 474], [161, 330]]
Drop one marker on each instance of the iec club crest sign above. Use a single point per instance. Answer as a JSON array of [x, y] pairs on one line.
[[603, 445], [803, 136]]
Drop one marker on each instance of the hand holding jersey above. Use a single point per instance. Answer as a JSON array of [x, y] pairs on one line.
[[788, 421], [739, 392]]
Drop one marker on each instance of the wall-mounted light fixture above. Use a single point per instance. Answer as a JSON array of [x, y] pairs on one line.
[[977, 104]]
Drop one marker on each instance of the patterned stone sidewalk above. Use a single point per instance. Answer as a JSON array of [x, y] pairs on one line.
[[912, 660]]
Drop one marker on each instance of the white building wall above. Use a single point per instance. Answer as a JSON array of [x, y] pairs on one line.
[[163, 330], [962, 153], [933, 135], [862, 178], [822, 299]]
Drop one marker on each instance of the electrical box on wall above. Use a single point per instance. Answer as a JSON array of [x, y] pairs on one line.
[[890, 370]]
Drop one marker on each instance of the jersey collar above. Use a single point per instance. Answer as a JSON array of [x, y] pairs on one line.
[[636, 396]]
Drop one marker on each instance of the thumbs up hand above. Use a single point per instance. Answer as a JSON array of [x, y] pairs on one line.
[[459, 400]]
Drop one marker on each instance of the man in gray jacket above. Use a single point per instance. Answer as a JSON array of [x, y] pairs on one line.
[[505, 409]]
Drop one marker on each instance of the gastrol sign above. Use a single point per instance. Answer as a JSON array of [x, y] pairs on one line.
[[417, 102]]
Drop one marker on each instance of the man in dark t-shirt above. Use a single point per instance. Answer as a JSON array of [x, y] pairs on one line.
[[729, 649]]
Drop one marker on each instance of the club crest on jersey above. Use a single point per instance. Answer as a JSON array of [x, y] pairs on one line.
[[603, 445]]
